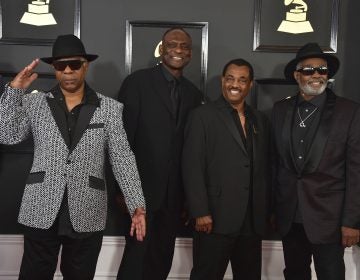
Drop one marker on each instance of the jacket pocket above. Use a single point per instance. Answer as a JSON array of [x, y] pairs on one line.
[[96, 183], [95, 125], [35, 177]]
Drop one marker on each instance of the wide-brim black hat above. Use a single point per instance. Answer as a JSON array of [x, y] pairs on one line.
[[311, 50], [67, 46]]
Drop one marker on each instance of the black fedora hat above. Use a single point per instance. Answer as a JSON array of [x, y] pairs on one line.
[[311, 50], [67, 46]]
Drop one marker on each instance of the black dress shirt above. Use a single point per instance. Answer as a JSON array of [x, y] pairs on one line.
[[305, 123], [248, 224], [306, 120]]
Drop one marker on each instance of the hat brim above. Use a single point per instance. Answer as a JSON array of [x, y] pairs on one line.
[[88, 57], [332, 62]]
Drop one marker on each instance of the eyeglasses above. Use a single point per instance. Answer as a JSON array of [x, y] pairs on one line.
[[60, 65], [308, 70]]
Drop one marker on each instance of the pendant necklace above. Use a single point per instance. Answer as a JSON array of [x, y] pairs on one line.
[[302, 121]]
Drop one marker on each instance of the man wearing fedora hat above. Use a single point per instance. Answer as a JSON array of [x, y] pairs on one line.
[[317, 169], [65, 200]]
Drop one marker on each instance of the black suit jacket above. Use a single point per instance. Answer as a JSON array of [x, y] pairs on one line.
[[216, 168], [153, 132], [328, 187]]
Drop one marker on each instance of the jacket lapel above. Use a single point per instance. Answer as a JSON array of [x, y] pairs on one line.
[[317, 147], [59, 117], [287, 135], [226, 117], [162, 88], [186, 101], [255, 130], [86, 112]]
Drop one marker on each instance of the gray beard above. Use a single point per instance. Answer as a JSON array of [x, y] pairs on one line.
[[308, 90]]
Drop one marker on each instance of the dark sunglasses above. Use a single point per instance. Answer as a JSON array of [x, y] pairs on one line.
[[308, 71], [60, 65]]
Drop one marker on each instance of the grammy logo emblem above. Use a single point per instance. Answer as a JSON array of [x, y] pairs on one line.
[[38, 14], [157, 51], [295, 21]]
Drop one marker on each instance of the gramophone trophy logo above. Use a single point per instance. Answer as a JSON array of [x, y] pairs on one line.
[[157, 51], [295, 21], [38, 14]]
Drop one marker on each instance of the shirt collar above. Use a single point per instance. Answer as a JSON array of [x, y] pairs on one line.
[[168, 76], [90, 96], [232, 109], [317, 101]]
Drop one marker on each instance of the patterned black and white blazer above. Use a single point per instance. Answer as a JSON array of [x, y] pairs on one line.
[[78, 167]]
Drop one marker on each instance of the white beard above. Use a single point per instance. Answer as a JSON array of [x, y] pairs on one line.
[[309, 90]]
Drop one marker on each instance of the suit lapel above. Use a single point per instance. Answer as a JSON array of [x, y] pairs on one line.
[[226, 117], [287, 134], [59, 117], [86, 113], [316, 150], [255, 129], [186, 102], [162, 88]]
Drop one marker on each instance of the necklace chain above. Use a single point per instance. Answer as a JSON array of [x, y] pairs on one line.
[[302, 121]]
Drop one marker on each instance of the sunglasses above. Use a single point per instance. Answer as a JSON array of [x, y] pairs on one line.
[[60, 65], [308, 71]]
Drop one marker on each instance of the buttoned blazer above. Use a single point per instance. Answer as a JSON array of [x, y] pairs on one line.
[[78, 167], [154, 134], [216, 168], [327, 188]]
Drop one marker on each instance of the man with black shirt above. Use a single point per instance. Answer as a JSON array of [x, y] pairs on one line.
[[156, 104], [226, 178], [65, 201], [317, 169]]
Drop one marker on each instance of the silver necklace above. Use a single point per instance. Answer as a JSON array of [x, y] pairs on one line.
[[302, 121]]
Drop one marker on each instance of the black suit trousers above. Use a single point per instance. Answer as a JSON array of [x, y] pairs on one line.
[[151, 259], [78, 256], [212, 253], [328, 258]]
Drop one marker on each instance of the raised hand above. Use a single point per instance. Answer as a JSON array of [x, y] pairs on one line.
[[26, 76]]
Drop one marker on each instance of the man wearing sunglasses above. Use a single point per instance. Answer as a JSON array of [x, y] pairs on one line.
[[317, 169], [65, 200]]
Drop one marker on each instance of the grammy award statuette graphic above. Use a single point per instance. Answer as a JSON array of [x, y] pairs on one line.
[[295, 21], [38, 14], [157, 51]]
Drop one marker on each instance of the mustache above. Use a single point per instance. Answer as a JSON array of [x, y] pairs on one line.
[[319, 79]]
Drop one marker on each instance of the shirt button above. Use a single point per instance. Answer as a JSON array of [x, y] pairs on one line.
[[301, 141], [306, 110], [300, 157]]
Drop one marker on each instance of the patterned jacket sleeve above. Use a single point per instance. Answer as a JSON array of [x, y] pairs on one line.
[[14, 122], [123, 161]]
